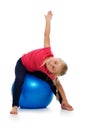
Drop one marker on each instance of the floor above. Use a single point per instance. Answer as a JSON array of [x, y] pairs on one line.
[[49, 118]]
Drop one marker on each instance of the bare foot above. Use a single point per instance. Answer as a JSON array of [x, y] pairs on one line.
[[14, 110]]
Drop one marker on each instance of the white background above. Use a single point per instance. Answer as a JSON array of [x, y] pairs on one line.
[[21, 30]]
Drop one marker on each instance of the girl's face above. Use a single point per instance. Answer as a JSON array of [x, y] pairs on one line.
[[54, 65]]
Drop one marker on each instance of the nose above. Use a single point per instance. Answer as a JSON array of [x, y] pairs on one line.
[[52, 64]]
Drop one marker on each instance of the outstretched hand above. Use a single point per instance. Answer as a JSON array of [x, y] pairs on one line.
[[49, 15], [65, 105]]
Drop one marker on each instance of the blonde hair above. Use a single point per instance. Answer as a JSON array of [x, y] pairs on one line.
[[64, 69]]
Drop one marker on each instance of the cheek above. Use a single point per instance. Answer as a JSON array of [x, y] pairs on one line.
[[49, 68]]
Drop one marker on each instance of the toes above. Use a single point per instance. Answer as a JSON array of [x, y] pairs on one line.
[[13, 112]]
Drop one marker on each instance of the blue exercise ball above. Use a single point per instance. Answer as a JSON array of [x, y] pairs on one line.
[[36, 93]]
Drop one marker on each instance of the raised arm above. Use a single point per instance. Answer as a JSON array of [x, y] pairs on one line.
[[47, 29]]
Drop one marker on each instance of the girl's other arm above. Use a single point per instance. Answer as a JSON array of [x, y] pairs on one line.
[[64, 104], [48, 18]]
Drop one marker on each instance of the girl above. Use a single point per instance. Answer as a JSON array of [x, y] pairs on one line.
[[42, 63]]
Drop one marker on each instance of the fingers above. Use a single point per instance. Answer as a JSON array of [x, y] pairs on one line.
[[50, 13], [67, 107]]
